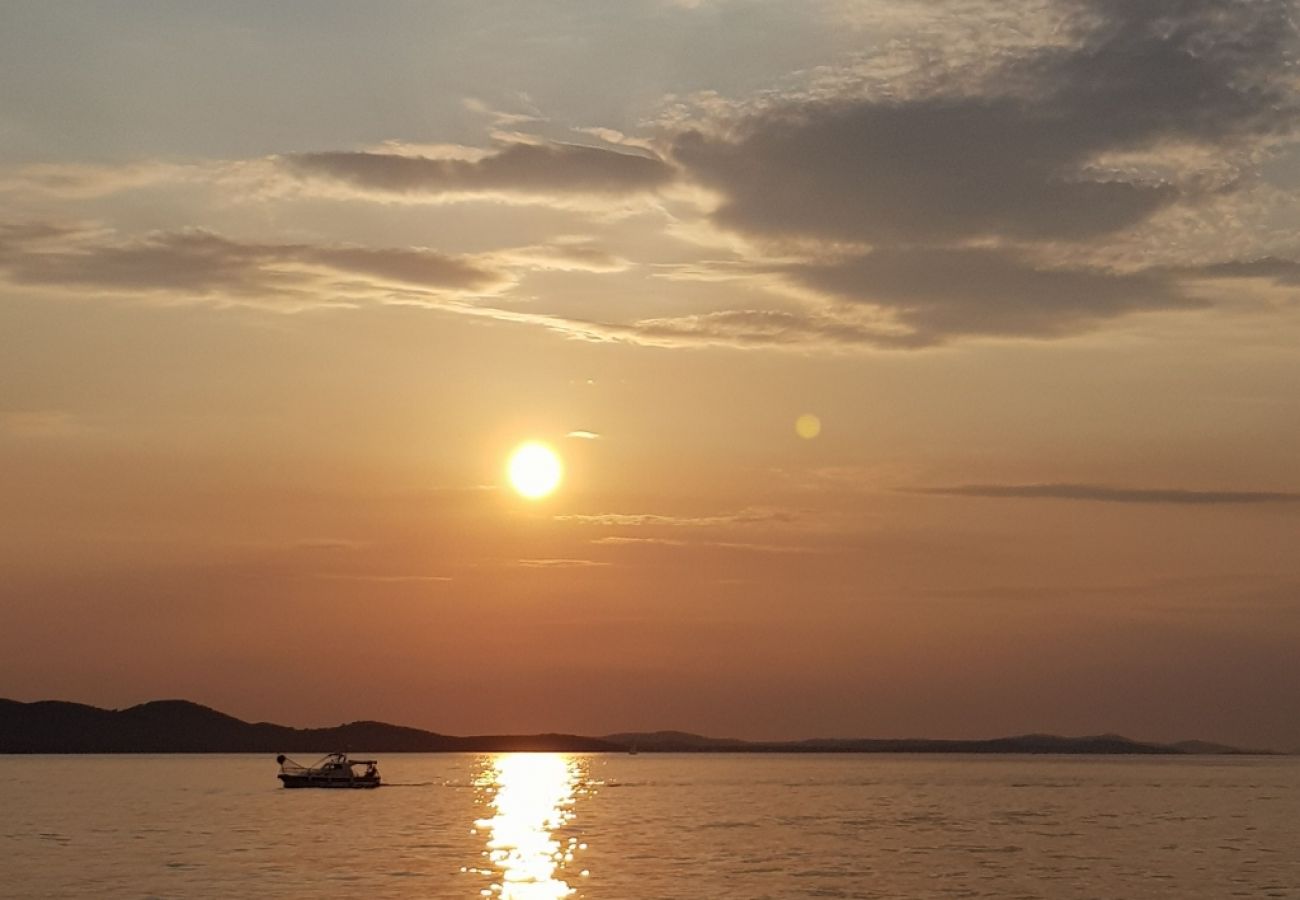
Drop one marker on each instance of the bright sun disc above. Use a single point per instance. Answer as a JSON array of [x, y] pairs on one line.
[[534, 470]]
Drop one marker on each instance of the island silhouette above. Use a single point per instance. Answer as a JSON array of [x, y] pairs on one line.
[[181, 726]]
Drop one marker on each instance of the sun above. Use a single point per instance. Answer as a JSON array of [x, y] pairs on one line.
[[534, 470]]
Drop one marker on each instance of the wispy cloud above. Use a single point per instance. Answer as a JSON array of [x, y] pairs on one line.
[[84, 181], [1284, 272], [939, 293], [560, 563], [825, 327], [743, 517], [200, 263], [1108, 494], [329, 544], [562, 256], [524, 170], [380, 578], [741, 546]]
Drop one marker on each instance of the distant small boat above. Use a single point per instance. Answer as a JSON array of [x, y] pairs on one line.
[[333, 771]]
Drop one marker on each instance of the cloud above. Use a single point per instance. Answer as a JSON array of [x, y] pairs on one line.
[[1107, 494], [197, 262], [583, 435], [938, 293], [84, 181], [945, 198], [563, 256], [1009, 157], [329, 544], [743, 517], [1284, 272], [515, 169], [383, 579], [17, 238], [407, 265], [742, 546], [560, 563], [942, 189], [926, 171], [913, 297], [1204, 70], [765, 328]]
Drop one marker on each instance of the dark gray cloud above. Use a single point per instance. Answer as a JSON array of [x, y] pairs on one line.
[[191, 261], [200, 262], [923, 171], [409, 265], [940, 293], [1106, 494], [1271, 268], [14, 236], [537, 169], [1011, 158], [1202, 70], [913, 297]]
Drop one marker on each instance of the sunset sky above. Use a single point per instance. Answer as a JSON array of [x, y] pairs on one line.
[[283, 285]]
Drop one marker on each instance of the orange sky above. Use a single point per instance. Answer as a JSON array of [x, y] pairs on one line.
[[280, 291]]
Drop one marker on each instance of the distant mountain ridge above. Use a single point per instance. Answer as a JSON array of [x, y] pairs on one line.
[[180, 726], [681, 742]]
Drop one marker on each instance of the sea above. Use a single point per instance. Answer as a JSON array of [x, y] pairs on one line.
[[626, 827]]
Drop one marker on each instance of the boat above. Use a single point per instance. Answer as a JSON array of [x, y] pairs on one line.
[[332, 771]]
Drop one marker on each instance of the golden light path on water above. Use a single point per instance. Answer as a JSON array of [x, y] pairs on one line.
[[531, 796]]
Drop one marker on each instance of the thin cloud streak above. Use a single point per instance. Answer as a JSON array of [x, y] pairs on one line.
[[1107, 494], [201, 262], [528, 169], [943, 293], [744, 517], [560, 563], [383, 579], [742, 546]]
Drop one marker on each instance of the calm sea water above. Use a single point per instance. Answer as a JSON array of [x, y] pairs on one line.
[[543, 826]]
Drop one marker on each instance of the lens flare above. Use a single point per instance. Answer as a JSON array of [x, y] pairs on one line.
[[808, 426]]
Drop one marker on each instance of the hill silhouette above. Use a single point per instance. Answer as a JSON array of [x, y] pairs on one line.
[[681, 742], [180, 726]]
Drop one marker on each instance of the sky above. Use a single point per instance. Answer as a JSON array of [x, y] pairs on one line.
[[283, 285]]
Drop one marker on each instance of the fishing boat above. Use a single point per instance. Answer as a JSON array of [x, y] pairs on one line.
[[333, 771]]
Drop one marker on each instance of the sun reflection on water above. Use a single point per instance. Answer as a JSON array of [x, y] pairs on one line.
[[531, 796]]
